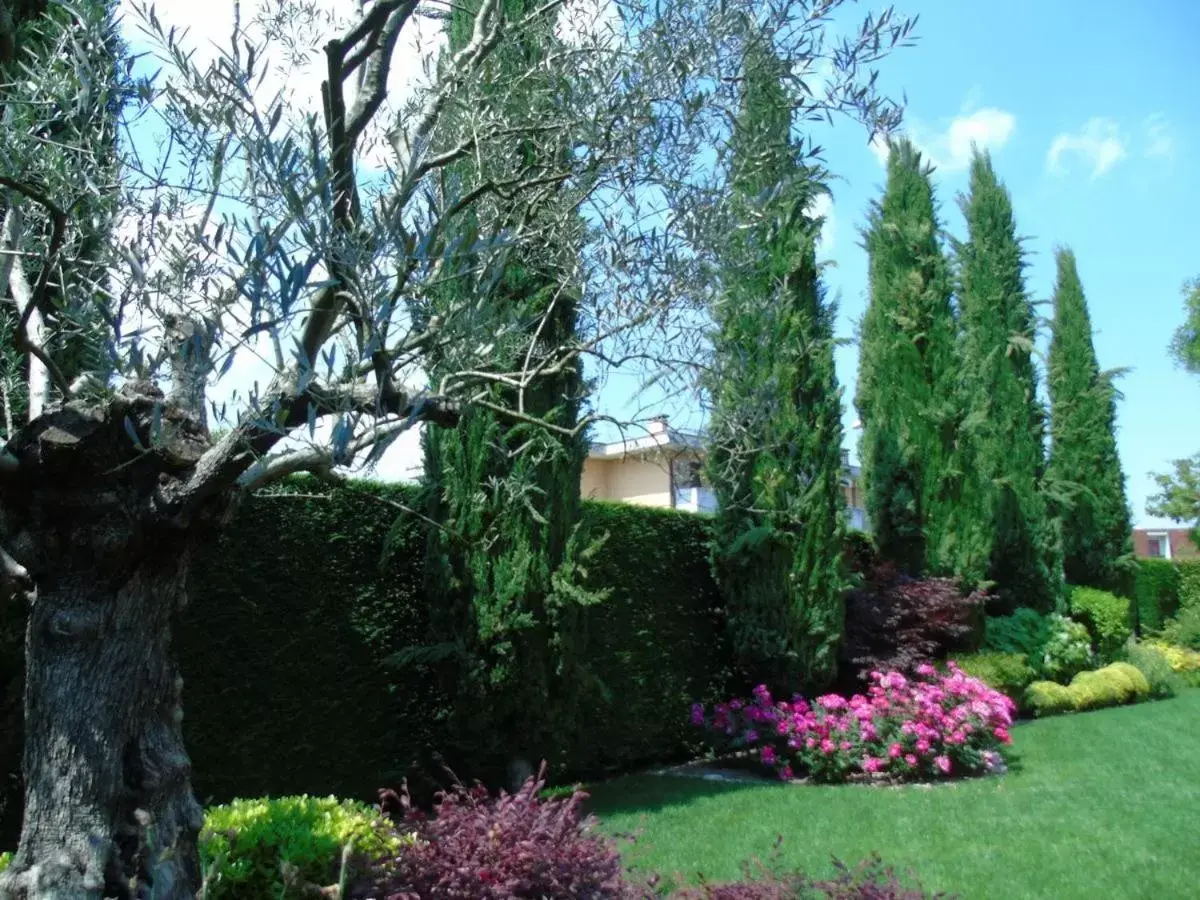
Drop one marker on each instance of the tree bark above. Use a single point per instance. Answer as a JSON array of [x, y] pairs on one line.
[[109, 809]]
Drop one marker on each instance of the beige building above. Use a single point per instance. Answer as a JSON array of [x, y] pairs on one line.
[[665, 468]]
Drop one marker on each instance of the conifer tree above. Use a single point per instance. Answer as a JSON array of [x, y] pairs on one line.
[[907, 367], [1003, 534], [776, 434], [501, 575], [1084, 465]]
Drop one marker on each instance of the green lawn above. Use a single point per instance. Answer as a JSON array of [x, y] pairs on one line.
[[1098, 805]]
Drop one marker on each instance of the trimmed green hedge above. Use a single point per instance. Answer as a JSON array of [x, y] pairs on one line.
[[657, 643], [1189, 583], [290, 612], [1156, 593], [294, 610]]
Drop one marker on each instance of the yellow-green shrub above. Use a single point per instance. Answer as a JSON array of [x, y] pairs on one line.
[[1111, 686], [5, 861], [1138, 683], [1095, 690], [1048, 698], [246, 845], [1184, 661]]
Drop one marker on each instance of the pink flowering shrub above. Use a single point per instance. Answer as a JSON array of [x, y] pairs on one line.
[[931, 725]]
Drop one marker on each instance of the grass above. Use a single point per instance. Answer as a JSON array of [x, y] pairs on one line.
[[1100, 804]]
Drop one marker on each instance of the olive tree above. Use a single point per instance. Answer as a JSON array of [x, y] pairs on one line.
[[267, 273]]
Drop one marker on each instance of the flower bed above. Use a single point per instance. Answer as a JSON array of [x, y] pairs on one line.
[[931, 726]]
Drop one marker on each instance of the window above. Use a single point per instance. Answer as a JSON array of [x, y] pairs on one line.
[[1158, 545], [688, 474]]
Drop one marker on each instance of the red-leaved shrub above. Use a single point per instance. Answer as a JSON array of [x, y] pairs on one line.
[[895, 622], [478, 847]]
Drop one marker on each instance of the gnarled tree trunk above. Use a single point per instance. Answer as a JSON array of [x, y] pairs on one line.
[[109, 809]]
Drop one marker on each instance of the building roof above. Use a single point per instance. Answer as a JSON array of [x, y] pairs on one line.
[[662, 438], [658, 440]]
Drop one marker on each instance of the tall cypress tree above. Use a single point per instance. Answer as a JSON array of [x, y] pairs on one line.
[[502, 581], [1004, 533], [907, 370], [1093, 514], [776, 434]]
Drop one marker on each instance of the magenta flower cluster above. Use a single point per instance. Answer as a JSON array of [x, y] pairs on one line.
[[932, 725]]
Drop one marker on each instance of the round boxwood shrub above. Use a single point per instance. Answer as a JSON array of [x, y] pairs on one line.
[[268, 849], [1106, 617]]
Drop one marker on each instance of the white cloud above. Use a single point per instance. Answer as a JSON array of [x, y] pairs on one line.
[[1159, 139], [822, 207], [949, 150], [988, 128], [879, 147], [1099, 143]]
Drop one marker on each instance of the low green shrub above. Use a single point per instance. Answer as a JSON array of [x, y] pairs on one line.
[[1106, 617], [269, 849], [1156, 593], [1067, 651], [1024, 632], [5, 861], [1153, 664], [1184, 629], [1048, 698], [1008, 673]]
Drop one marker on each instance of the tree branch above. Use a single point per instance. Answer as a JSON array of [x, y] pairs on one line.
[[224, 465], [378, 66], [58, 225], [316, 459], [26, 302]]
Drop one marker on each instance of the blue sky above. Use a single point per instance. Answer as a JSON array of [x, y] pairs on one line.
[[1110, 88]]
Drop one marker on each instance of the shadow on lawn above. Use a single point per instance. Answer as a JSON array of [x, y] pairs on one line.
[[653, 793]]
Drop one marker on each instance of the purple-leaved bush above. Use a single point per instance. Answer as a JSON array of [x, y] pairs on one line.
[[895, 623], [508, 847]]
